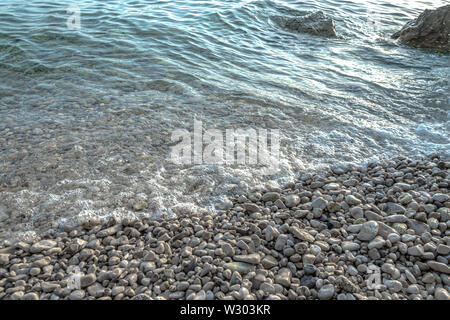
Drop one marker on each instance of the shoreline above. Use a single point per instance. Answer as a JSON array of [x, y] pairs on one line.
[[322, 237]]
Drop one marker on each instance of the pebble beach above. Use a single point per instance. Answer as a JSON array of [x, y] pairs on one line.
[[125, 171], [347, 233]]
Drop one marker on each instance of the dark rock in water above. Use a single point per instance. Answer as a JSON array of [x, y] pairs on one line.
[[316, 23], [430, 30]]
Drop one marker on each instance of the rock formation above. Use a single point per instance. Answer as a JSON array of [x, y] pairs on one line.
[[316, 23], [430, 30]]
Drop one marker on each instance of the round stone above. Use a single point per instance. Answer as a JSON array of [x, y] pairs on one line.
[[326, 292], [368, 231]]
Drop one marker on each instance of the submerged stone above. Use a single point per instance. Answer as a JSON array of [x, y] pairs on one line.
[[315, 23]]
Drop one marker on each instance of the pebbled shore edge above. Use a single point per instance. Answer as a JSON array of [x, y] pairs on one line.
[[380, 232]]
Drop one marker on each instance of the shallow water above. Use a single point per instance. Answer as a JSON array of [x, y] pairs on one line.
[[87, 115]]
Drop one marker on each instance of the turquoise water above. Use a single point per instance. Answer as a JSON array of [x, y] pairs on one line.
[[87, 115]]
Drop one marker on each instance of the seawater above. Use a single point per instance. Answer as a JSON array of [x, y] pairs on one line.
[[87, 115]]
